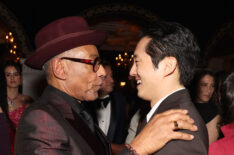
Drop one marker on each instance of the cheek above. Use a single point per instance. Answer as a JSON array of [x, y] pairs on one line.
[[212, 90], [8, 79], [91, 91], [84, 81], [200, 90], [18, 79], [90, 86], [92, 80]]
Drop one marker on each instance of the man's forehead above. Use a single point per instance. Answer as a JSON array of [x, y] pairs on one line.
[[136, 55], [84, 51]]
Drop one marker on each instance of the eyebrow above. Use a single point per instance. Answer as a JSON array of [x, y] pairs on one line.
[[11, 72], [94, 55]]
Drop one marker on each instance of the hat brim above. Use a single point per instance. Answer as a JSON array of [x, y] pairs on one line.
[[67, 42]]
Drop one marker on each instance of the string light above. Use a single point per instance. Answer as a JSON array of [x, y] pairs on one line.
[[12, 46], [124, 60]]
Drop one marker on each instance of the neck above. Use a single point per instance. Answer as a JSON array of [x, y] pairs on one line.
[[12, 92], [164, 93]]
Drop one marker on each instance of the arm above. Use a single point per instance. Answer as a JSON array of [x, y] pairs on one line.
[[212, 128], [160, 130], [133, 127], [4, 135]]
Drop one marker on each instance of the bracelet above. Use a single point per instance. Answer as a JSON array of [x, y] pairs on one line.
[[129, 147]]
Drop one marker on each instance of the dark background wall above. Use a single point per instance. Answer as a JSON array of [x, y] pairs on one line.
[[203, 18]]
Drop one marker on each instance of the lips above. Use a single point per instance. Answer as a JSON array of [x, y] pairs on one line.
[[207, 96]]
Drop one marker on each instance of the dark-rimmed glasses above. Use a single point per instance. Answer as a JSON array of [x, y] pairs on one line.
[[96, 62]]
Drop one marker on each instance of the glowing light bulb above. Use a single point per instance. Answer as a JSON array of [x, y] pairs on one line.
[[12, 40], [122, 83]]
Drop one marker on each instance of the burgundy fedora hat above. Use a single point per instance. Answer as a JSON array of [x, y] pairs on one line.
[[62, 35]]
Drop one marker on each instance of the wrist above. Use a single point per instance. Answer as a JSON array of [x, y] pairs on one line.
[[131, 149]]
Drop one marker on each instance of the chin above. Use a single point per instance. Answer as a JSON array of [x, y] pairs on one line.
[[139, 94], [92, 97]]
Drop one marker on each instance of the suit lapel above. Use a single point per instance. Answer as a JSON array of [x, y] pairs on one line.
[[143, 124], [68, 110], [81, 127], [172, 101]]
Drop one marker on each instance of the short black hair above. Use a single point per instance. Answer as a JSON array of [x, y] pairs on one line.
[[173, 39]]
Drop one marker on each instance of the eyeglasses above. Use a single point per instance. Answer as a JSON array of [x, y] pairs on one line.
[[96, 62]]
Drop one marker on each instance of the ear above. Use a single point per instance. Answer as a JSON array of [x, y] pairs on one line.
[[58, 68], [170, 65]]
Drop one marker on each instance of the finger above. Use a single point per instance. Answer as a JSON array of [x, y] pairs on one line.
[[181, 135], [176, 125], [181, 124], [171, 111]]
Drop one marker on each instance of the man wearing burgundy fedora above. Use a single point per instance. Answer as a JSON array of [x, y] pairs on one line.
[[58, 123]]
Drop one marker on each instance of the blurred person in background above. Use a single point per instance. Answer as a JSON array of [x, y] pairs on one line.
[[16, 101], [224, 146], [202, 92], [5, 145]]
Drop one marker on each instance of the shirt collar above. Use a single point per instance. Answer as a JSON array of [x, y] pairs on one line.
[[155, 107]]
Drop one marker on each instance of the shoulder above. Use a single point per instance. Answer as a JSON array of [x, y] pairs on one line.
[[38, 116], [37, 129], [25, 99]]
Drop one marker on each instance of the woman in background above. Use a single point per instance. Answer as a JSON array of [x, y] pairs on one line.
[[202, 89], [5, 147], [16, 102], [224, 146]]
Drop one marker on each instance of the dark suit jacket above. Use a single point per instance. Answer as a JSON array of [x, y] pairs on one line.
[[117, 130], [199, 145], [53, 126]]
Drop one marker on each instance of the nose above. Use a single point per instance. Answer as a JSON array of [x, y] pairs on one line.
[[12, 77], [133, 70], [101, 71]]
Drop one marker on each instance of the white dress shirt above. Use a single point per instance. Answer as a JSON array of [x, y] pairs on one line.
[[103, 115], [155, 107]]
